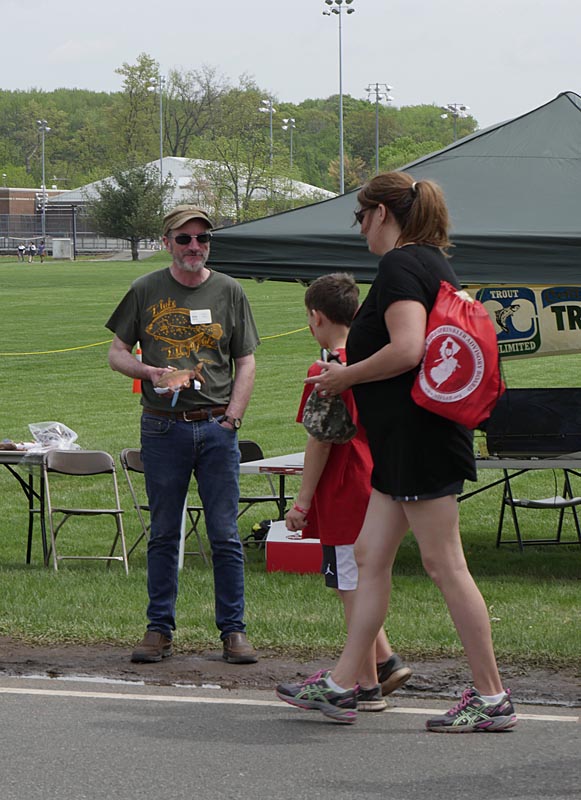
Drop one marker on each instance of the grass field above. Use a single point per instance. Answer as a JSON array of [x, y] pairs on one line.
[[53, 359]]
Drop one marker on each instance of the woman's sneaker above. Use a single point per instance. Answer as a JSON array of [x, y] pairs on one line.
[[370, 699], [315, 694], [392, 674], [473, 714]]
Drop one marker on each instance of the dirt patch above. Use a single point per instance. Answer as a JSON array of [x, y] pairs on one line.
[[441, 678]]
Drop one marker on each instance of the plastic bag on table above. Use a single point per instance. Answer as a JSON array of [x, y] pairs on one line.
[[52, 436]]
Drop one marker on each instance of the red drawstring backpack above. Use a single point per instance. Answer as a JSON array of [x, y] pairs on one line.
[[459, 377]]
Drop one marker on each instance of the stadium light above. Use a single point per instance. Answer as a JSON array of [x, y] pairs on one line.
[[44, 129], [456, 111], [267, 108], [156, 84], [337, 7], [381, 92], [289, 125]]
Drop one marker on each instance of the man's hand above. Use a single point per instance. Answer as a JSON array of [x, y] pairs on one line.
[[174, 380], [157, 374]]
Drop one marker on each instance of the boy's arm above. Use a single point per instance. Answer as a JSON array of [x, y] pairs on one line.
[[316, 456]]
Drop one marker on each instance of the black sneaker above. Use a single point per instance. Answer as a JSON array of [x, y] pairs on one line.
[[370, 699], [392, 674], [315, 694], [473, 714]]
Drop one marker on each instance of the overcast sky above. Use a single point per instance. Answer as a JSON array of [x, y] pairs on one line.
[[502, 58]]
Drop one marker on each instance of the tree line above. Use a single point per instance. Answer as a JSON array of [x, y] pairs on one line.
[[96, 134]]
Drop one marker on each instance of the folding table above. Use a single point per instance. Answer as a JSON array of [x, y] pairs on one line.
[[13, 460]]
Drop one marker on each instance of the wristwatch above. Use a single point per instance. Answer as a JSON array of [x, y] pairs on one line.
[[236, 422]]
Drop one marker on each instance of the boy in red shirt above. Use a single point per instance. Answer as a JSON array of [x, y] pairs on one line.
[[335, 488]]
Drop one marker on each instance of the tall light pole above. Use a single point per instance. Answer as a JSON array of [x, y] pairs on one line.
[[338, 7], [156, 84], [456, 111], [44, 129], [289, 125], [381, 92], [267, 108]]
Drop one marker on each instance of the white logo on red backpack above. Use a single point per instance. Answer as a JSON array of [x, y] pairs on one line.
[[453, 365]]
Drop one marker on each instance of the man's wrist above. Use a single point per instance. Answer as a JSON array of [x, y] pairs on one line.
[[234, 422]]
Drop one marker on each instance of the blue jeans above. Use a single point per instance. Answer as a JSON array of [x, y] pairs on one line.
[[171, 450]]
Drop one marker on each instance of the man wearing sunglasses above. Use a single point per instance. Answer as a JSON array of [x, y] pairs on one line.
[[189, 318]]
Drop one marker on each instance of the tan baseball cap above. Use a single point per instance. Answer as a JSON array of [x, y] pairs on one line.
[[179, 215]]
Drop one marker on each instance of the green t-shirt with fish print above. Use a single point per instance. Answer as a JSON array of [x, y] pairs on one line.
[[181, 326]]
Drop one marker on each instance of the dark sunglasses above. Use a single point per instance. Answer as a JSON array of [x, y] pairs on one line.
[[185, 238], [360, 213]]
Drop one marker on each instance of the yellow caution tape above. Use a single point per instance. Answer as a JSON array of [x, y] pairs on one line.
[[64, 350], [108, 341]]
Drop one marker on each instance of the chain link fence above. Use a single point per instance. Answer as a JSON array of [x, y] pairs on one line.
[[18, 229]]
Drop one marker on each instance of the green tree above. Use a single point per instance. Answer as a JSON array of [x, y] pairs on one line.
[[239, 150], [188, 102], [403, 151], [316, 142], [93, 133], [426, 123], [68, 112], [135, 118], [91, 152], [355, 172], [17, 130], [360, 131], [130, 205], [19, 115], [16, 175]]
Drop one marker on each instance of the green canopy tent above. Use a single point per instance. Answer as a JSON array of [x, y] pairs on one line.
[[514, 194]]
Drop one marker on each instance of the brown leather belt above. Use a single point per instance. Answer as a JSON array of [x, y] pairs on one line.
[[189, 416]]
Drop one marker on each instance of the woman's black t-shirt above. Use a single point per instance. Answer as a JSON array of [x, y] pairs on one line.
[[414, 451]]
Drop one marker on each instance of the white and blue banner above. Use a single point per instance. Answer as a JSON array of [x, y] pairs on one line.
[[533, 320]]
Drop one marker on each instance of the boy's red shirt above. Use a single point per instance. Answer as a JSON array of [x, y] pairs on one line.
[[340, 500]]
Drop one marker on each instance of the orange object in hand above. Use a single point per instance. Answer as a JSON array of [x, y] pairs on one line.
[[136, 381]]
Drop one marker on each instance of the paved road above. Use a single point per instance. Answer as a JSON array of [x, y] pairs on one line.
[[73, 740]]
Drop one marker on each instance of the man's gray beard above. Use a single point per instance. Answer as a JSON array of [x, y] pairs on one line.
[[192, 267]]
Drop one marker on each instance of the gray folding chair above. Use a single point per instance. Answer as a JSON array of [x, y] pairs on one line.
[[562, 503], [74, 473], [132, 466]]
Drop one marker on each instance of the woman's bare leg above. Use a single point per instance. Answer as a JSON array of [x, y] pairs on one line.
[[383, 649], [436, 528], [384, 528], [380, 650]]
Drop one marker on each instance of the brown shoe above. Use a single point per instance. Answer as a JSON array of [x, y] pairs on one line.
[[153, 647], [238, 650]]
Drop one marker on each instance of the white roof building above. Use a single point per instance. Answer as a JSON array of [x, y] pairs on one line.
[[192, 181]]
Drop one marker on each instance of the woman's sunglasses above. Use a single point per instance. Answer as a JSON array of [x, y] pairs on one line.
[[185, 238], [361, 212]]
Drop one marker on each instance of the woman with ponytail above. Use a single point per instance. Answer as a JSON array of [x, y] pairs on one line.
[[420, 460]]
